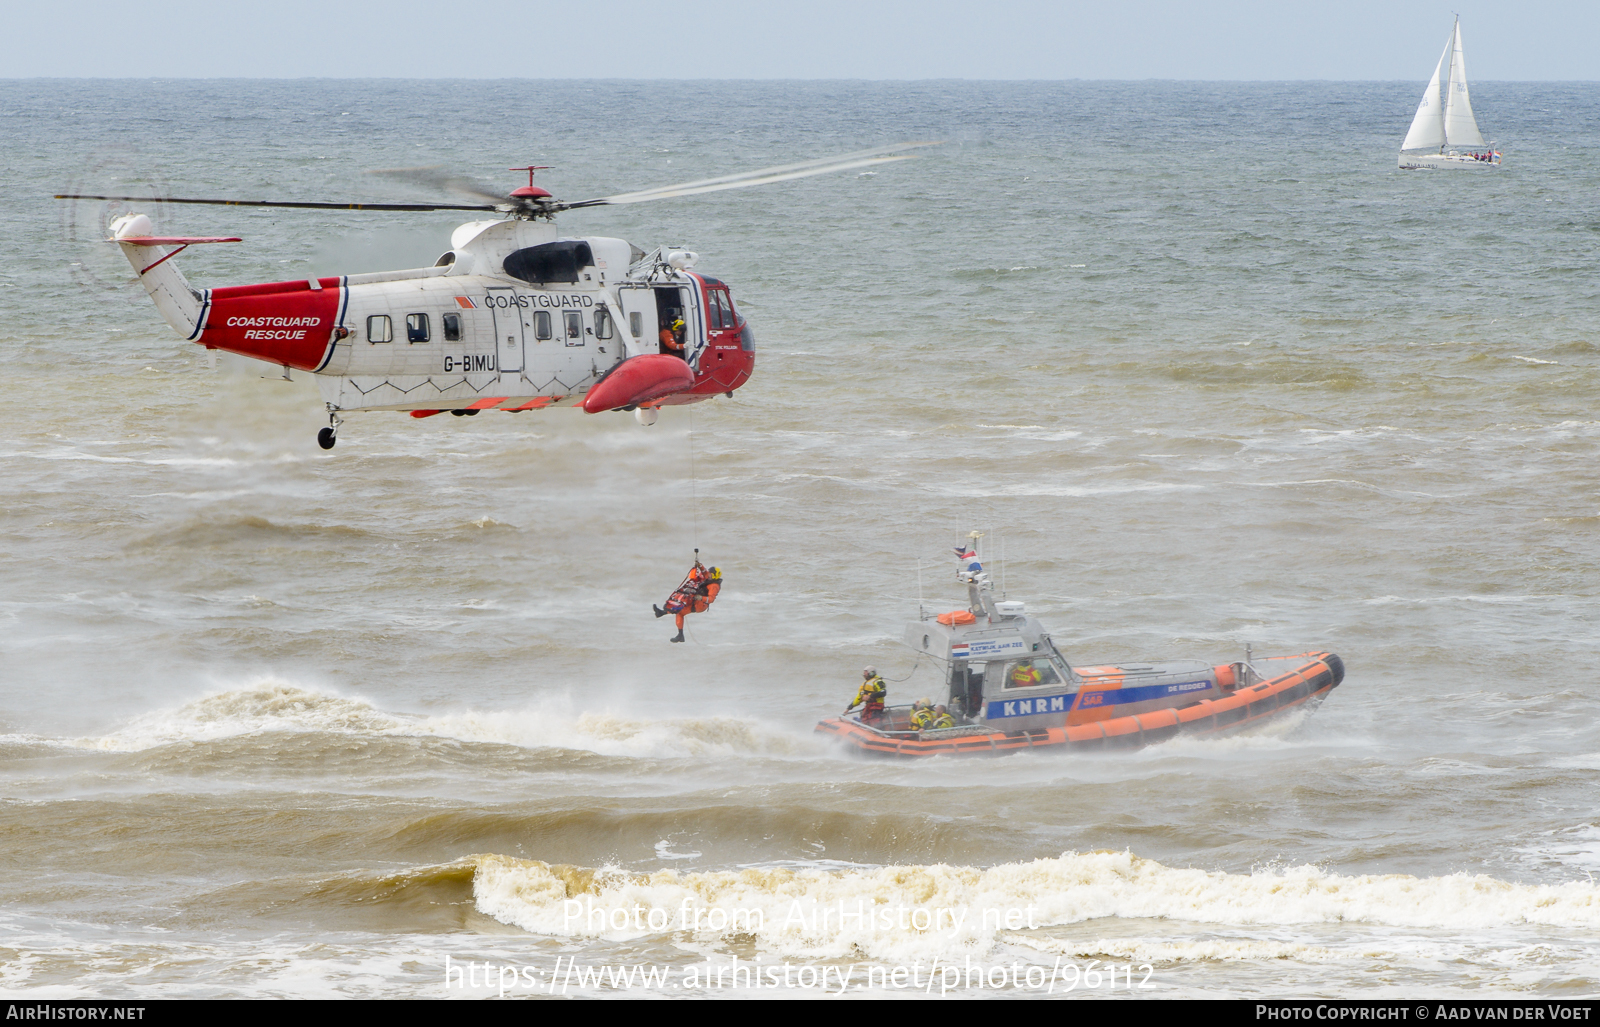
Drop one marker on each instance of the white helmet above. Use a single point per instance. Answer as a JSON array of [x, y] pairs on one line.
[[869, 672]]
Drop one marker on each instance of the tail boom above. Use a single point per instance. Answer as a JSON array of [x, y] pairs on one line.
[[288, 323]]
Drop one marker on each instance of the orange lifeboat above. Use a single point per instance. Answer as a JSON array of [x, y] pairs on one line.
[[1007, 688], [1103, 708]]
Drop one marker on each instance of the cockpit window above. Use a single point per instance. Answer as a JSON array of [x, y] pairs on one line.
[[721, 311]]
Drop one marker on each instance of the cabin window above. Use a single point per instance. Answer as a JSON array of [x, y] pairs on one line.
[[452, 328], [541, 324], [574, 320], [416, 327], [379, 329], [1031, 673], [727, 305], [602, 323], [636, 324]]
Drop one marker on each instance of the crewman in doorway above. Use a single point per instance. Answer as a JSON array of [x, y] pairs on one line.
[[870, 696], [696, 594], [672, 338]]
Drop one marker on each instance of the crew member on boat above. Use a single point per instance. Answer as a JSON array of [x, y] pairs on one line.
[[870, 696], [1025, 674]]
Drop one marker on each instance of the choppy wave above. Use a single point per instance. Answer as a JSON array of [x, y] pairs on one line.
[[840, 913], [271, 705]]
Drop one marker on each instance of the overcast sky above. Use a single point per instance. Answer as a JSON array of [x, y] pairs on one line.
[[892, 39]]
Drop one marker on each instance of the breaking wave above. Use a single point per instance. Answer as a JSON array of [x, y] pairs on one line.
[[842, 913], [275, 706]]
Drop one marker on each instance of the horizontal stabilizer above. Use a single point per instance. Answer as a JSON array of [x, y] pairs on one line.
[[173, 240]]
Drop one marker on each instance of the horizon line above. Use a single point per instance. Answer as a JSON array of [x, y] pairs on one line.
[[515, 78]]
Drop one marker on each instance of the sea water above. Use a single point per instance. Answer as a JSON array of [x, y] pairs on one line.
[[1207, 369]]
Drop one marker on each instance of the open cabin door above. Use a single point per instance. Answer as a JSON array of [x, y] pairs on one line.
[[674, 302], [966, 688], [638, 303]]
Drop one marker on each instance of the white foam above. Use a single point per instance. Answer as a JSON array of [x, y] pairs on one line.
[[1152, 950], [272, 705], [265, 705], [1578, 848], [794, 904]]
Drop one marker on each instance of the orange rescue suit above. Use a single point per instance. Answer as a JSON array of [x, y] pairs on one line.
[[699, 603]]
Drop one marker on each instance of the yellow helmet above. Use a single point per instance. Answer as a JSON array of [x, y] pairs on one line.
[[677, 324], [716, 574]]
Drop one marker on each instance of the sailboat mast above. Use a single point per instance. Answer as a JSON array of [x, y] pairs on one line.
[[1450, 81]]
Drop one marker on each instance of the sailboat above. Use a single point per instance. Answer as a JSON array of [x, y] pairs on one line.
[[1448, 129]]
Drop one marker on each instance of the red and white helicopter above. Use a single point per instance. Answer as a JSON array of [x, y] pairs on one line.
[[513, 317]]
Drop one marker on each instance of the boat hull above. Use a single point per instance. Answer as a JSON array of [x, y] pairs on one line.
[[1305, 686], [1444, 162]]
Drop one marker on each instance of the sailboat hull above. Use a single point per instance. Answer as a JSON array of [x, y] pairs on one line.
[[1445, 162]]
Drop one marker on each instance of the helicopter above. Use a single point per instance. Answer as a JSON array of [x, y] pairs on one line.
[[514, 316]]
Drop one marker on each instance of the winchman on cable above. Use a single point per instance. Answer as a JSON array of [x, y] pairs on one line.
[[696, 594]]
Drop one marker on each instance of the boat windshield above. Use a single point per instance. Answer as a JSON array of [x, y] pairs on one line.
[[1035, 672]]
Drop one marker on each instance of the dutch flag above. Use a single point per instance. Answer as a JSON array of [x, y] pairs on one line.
[[968, 558]]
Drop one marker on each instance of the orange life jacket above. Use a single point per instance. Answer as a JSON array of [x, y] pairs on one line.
[[1025, 674]]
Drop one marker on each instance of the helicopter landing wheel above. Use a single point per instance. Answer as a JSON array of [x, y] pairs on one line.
[[329, 436]]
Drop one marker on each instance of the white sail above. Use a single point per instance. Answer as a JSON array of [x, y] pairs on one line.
[[1427, 128], [1460, 127]]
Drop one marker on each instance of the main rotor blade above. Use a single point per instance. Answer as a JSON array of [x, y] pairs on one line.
[[761, 176], [434, 176], [282, 203]]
